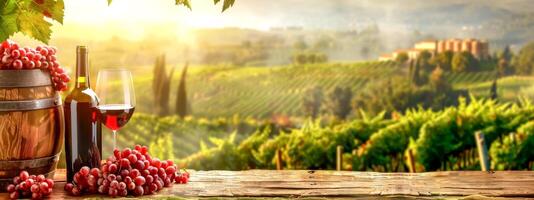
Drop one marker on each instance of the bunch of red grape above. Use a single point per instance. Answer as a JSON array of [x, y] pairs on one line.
[[12, 56], [26, 186], [127, 172]]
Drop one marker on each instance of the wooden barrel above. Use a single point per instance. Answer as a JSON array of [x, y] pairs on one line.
[[31, 124]]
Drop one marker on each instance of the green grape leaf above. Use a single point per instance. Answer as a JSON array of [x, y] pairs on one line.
[[53, 9], [8, 19], [216, 1], [227, 4], [109, 2], [9, 26], [185, 3], [34, 25]]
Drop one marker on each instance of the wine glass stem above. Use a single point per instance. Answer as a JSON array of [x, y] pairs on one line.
[[114, 139]]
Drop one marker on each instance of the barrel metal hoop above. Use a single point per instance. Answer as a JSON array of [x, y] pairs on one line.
[[24, 78], [31, 163], [34, 104]]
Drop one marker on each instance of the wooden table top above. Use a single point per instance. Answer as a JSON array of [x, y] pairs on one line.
[[340, 184]]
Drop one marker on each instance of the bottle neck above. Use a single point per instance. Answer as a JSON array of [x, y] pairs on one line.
[[82, 69]]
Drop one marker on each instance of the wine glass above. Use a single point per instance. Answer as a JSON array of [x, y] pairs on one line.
[[114, 88]]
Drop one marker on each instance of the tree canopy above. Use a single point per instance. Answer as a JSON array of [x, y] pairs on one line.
[[524, 61]]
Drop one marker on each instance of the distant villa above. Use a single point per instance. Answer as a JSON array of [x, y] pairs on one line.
[[479, 48]]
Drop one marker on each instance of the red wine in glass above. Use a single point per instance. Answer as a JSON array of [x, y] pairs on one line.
[[116, 94], [114, 116]]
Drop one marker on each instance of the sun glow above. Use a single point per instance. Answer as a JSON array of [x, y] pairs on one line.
[[134, 19]]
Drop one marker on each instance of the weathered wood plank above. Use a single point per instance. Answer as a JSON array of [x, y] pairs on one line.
[[342, 184]]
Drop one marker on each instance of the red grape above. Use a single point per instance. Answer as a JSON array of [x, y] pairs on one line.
[[102, 189], [139, 165], [16, 180], [43, 186], [112, 192], [44, 52], [112, 177], [84, 171], [156, 163], [10, 188], [34, 188], [17, 64], [50, 182], [170, 170], [132, 158], [6, 44], [112, 168], [114, 184], [134, 173], [15, 53], [126, 152], [138, 191], [140, 180], [95, 172], [68, 187], [14, 195], [122, 192], [144, 150], [44, 65], [124, 163], [149, 179], [24, 175], [122, 186]]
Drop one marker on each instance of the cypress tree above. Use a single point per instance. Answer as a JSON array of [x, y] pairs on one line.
[[410, 72], [161, 86], [493, 89], [181, 97], [415, 75]]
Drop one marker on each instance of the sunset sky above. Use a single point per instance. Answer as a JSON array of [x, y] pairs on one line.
[[134, 18]]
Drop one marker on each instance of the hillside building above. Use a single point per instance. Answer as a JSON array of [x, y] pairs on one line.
[[479, 48]]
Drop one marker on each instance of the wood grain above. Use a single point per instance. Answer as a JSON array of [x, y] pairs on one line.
[[30, 137], [341, 184]]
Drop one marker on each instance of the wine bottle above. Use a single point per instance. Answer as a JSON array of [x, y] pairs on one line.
[[83, 135]]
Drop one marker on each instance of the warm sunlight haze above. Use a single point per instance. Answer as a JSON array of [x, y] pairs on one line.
[[267, 99]]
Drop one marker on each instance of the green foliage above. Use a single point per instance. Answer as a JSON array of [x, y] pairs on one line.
[[225, 156], [312, 101], [387, 145], [437, 80], [397, 94], [161, 85], [181, 97], [183, 134], [250, 146], [302, 58], [261, 92], [444, 60], [514, 151], [402, 58], [417, 73], [28, 17], [436, 139], [463, 61], [339, 102], [424, 61], [506, 54], [163, 146], [524, 61]]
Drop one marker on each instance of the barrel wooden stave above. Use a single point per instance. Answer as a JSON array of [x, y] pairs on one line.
[[31, 124]]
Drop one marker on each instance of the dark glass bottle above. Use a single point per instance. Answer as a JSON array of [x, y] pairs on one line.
[[83, 135]]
